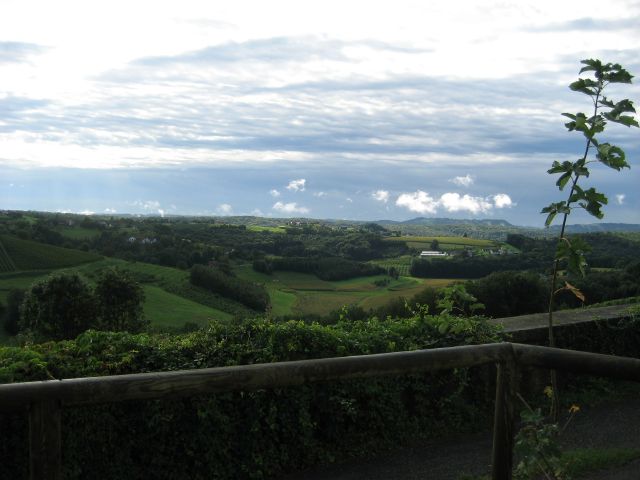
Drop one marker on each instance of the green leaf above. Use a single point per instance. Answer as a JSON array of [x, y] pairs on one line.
[[562, 181], [557, 167], [612, 156], [553, 209], [591, 65], [619, 75], [577, 195], [572, 251], [606, 102], [617, 110], [584, 85], [593, 202], [625, 120]]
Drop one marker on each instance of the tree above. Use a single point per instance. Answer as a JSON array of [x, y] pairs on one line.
[[59, 307], [119, 301], [605, 110], [12, 313], [435, 245]]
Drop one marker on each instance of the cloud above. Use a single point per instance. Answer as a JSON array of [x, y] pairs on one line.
[[289, 208], [11, 52], [274, 193], [465, 181], [620, 198], [147, 204], [297, 185], [381, 196], [422, 202], [502, 200], [224, 209], [453, 202], [110, 210], [319, 194]]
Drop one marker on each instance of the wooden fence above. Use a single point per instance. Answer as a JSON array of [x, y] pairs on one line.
[[44, 400]]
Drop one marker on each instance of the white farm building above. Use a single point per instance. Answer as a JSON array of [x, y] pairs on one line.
[[432, 253]]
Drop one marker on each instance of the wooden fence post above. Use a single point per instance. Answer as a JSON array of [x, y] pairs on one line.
[[45, 458], [503, 421]]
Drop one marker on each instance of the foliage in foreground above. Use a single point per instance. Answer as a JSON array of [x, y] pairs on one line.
[[249, 435]]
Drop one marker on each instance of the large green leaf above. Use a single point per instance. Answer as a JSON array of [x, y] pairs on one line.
[[553, 209], [591, 65], [572, 251], [593, 202], [612, 156], [585, 85]]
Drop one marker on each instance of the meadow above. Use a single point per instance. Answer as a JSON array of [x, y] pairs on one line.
[[295, 293], [446, 243]]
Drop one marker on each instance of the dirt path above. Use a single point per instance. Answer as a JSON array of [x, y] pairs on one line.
[[609, 425]]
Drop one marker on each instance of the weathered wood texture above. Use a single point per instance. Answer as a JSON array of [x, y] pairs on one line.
[[597, 364], [45, 399], [504, 421], [45, 440], [185, 383], [534, 327]]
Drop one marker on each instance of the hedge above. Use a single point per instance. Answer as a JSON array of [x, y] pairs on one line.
[[255, 435]]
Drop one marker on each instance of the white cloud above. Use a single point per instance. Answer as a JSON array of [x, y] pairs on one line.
[[274, 193], [86, 212], [224, 209], [110, 210], [256, 212], [465, 181], [297, 185], [381, 196], [289, 208], [453, 202], [350, 200], [319, 194], [620, 198], [420, 202], [502, 200]]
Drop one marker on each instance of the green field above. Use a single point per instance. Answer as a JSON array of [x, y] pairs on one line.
[[165, 309], [446, 243], [259, 228], [28, 255], [295, 293], [6, 264], [78, 233]]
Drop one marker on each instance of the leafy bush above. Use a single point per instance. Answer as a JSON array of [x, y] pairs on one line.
[[250, 294], [249, 434]]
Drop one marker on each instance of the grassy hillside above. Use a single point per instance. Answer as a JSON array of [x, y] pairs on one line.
[[446, 243], [6, 264], [166, 305], [295, 293], [28, 255]]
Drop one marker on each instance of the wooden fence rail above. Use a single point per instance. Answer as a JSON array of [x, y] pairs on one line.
[[44, 400]]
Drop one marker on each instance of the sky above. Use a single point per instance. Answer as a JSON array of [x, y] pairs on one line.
[[362, 110]]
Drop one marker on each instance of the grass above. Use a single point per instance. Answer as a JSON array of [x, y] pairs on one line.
[[28, 255], [78, 233], [165, 309], [259, 228], [446, 243], [295, 293], [19, 280], [584, 461]]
